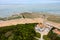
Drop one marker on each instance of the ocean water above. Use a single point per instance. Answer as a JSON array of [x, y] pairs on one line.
[[6, 10]]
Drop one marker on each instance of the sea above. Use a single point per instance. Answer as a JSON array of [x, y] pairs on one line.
[[7, 10]]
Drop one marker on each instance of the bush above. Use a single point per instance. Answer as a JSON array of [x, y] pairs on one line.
[[19, 32], [38, 35], [46, 37]]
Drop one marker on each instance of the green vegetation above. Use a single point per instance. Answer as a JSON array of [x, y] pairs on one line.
[[51, 17], [16, 17], [2, 19], [21, 15], [19, 32], [38, 35], [54, 19], [10, 18], [53, 36], [46, 37], [30, 15]]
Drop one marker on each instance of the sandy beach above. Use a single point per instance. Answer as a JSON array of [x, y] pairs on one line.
[[20, 21], [26, 20]]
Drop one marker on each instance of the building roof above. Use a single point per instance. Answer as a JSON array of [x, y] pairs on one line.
[[56, 31]]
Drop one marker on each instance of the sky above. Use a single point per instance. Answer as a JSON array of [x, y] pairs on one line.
[[28, 1]]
